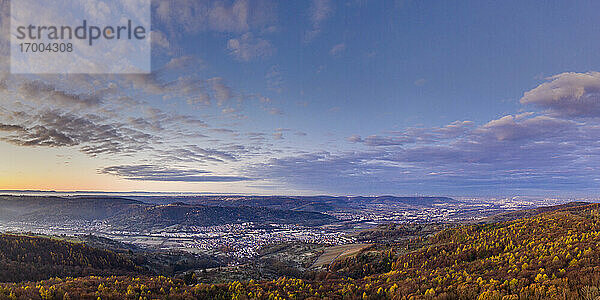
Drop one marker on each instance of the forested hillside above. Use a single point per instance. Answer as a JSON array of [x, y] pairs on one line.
[[35, 258], [552, 255]]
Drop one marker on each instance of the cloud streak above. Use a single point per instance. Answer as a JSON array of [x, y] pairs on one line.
[[158, 173], [94, 134]]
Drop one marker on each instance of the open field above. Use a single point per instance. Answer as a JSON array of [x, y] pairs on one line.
[[333, 253]]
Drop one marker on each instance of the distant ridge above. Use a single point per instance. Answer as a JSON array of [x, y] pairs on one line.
[[133, 214], [527, 213], [308, 203]]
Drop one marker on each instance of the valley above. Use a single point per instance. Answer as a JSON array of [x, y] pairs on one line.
[[231, 228]]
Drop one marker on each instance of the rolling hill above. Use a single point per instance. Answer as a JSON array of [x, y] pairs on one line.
[[123, 213], [160, 216], [307, 203], [57, 209]]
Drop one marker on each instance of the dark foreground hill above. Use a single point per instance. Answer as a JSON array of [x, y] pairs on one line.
[[35, 258], [31, 258], [551, 255]]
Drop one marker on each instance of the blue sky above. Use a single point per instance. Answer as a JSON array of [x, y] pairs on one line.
[[329, 97]]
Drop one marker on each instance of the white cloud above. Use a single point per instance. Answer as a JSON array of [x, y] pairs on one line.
[[222, 92], [420, 82], [274, 79], [319, 12], [278, 135], [232, 18], [275, 111], [221, 16], [159, 39], [337, 49], [248, 47], [516, 127], [568, 94]]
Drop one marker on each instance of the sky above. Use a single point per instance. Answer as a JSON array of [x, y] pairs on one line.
[[356, 97]]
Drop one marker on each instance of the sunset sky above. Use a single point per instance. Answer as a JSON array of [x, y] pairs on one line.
[[324, 97]]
